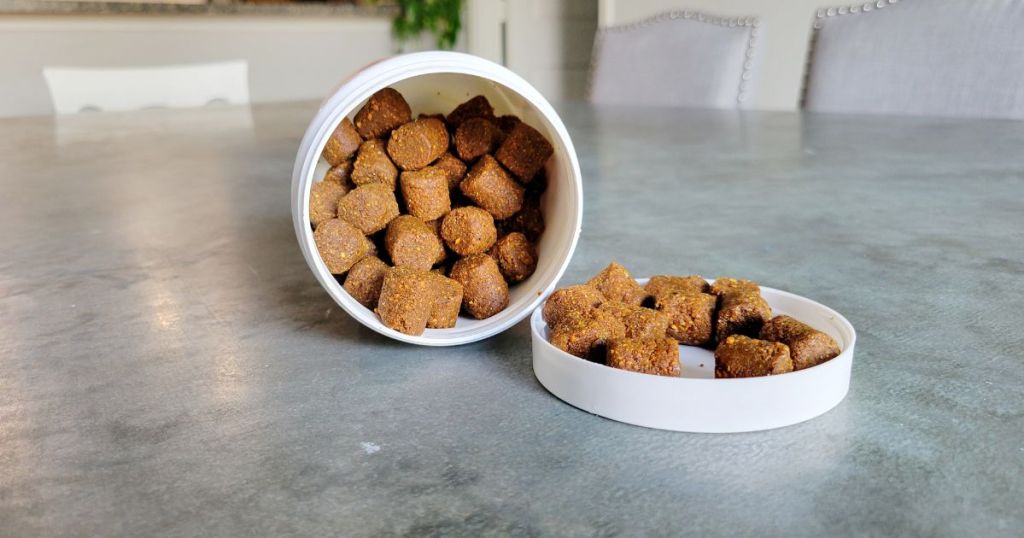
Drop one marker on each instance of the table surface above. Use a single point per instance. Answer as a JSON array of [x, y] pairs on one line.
[[168, 364]]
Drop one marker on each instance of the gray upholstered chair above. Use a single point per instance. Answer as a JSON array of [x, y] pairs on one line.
[[681, 58], [919, 57]]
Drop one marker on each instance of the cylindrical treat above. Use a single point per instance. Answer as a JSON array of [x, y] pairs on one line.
[[373, 165], [484, 291], [741, 356], [340, 174], [491, 188], [516, 256], [417, 144], [477, 107], [410, 242], [741, 313], [468, 230], [454, 169], [585, 336], [507, 122], [726, 285], [655, 356], [340, 244], [807, 345], [426, 193], [690, 316], [384, 111], [529, 220], [407, 298], [524, 151], [438, 116], [615, 283], [342, 143], [571, 303], [664, 285], [364, 280], [369, 207], [323, 201], [445, 311], [475, 137], [640, 322]]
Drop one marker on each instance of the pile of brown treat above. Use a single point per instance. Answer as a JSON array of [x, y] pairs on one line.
[[421, 219], [614, 320]]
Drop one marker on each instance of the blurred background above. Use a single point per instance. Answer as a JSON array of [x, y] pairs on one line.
[[296, 50]]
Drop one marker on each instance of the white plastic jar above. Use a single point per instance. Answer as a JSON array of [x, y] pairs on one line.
[[436, 82]]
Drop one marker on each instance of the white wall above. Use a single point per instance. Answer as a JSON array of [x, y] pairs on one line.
[[290, 58], [784, 37]]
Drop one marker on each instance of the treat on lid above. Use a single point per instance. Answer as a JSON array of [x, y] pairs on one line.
[[741, 313], [640, 322], [585, 336], [616, 284], [807, 345], [571, 302], [656, 356], [741, 356], [690, 316], [665, 285]]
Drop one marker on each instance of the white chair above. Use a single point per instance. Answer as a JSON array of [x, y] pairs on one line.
[[678, 59], [919, 57], [74, 90]]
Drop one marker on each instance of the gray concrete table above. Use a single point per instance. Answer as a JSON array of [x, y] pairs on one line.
[[168, 365]]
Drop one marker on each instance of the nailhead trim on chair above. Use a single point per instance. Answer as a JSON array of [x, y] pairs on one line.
[[730, 22], [824, 13]]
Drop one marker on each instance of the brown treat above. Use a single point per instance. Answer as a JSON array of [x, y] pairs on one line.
[[373, 165], [418, 143], [690, 316], [384, 111], [507, 122], [665, 285], [491, 188], [585, 336], [445, 311], [369, 207], [656, 356], [323, 201], [475, 137], [364, 280], [484, 291], [740, 356], [615, 283], [571, 303], [741, 313], [407, 298], [410, 242], [340, 244], [516, 256], [734, 285], [454, 169], [477, 107], [468, 230], [640, 322], [340, 174], [342, 143], [426, 193], [524, 151], [529, 220], [807, 345]]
